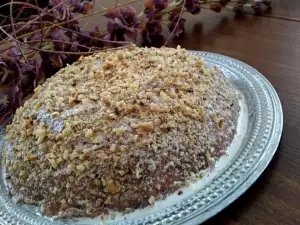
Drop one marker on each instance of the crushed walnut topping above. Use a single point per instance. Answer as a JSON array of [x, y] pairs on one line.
[[118, 130]]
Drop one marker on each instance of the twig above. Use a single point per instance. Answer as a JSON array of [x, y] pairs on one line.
[[180, 16], [93, 7], [6, 47], [7, 34], [22, 9], [116, 4], [58, 41], [42, 32], [21, 3], [20, 23], [98, 39], [74, 19], [14, 31], [17, 3], [74, 53], [6, 17], [42, 24], [35, 19]]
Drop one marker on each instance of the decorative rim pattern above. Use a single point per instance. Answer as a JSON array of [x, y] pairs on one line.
[[262, 139]]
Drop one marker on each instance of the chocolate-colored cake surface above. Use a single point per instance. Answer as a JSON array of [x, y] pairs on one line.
[[118, 130]]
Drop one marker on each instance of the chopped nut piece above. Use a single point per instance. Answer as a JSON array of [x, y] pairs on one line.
[[70, 168], [89, 133], [55, 114], [202, 113], [32, 157], [147, 127], [94, 97], [27, 123], [151, 201], [113, 216], [119, 130], [86, 101], [66, 155], [80, 167], [133, 86], [112, 188], [220, 123]]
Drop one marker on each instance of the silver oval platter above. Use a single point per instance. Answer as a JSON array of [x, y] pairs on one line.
[[258, 135]]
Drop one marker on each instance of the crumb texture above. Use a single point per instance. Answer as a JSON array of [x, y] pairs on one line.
[[118, 130]]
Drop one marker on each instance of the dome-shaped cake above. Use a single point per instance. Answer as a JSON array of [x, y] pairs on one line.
[[119, 129]]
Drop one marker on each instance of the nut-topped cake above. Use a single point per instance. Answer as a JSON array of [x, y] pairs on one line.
[[118, 130]]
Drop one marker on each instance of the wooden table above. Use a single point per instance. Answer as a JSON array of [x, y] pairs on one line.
[[271, 44]]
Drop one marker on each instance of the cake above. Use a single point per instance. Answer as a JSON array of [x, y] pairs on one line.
[[118, 130]]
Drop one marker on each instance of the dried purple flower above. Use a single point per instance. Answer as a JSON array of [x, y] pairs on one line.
[[124, 16], [193, 6], [57, 60], [177, 25], [216, 7], [268, 3], [151, 28], [123, 23], [156, 4], [95, 32], [239, 8], [74, 6], [9, 86], [257, 7], [115, 33], [154, 28], [153, 8], [153, 12], [9, 101], [224, 2], [83, 7]]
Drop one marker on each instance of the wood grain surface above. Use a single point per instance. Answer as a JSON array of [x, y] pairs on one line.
[[271, 44]]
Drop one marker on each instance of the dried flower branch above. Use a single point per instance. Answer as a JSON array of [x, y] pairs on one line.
[[37, 38]]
